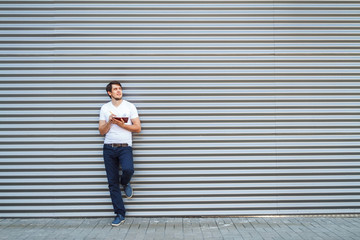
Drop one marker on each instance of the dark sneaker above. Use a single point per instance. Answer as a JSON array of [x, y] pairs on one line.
[[119, 219], [128, 190]]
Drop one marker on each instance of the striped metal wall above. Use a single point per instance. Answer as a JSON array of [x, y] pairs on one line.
[[248, 107]]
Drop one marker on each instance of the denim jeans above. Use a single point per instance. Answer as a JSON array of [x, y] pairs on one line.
[[114, 157]]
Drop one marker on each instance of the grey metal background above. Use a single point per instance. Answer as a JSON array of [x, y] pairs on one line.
[[248, 107]]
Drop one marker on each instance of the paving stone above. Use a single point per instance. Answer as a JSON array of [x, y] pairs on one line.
[[264, 228], [209, 228]]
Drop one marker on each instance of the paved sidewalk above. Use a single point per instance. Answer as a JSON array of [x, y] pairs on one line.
[[253, 228]]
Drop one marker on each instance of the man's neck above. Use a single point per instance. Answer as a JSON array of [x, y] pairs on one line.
[[115, 102]]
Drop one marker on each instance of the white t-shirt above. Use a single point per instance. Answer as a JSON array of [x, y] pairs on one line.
[[117, 134]]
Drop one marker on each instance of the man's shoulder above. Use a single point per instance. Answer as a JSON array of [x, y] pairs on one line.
[[106, 105], [128, 103]]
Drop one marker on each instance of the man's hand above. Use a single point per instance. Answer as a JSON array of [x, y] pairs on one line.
[[118, 122], [104, 126]]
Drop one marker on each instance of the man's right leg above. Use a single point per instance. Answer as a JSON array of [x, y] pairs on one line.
[[127, 165], [112, 172]]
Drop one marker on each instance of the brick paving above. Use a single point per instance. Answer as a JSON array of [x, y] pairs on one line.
[[134, 228]]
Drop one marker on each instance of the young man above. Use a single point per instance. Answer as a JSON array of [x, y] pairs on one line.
[[118, 120]]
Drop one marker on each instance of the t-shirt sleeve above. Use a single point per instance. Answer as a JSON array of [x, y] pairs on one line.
[[133, 112], [102, 114]]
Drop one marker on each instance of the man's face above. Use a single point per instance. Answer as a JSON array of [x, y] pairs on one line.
[[116, 92]]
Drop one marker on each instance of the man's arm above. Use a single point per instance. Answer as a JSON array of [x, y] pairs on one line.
[[135, 127], [104, 127]]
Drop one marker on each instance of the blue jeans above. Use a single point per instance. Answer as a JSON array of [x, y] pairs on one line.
[[113, 158]]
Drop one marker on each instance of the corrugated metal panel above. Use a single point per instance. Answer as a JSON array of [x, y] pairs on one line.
[[248, 107]]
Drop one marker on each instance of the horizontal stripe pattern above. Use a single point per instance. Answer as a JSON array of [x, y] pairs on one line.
[[247, 107]]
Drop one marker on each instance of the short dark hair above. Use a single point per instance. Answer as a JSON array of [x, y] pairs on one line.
[[109, 86]]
